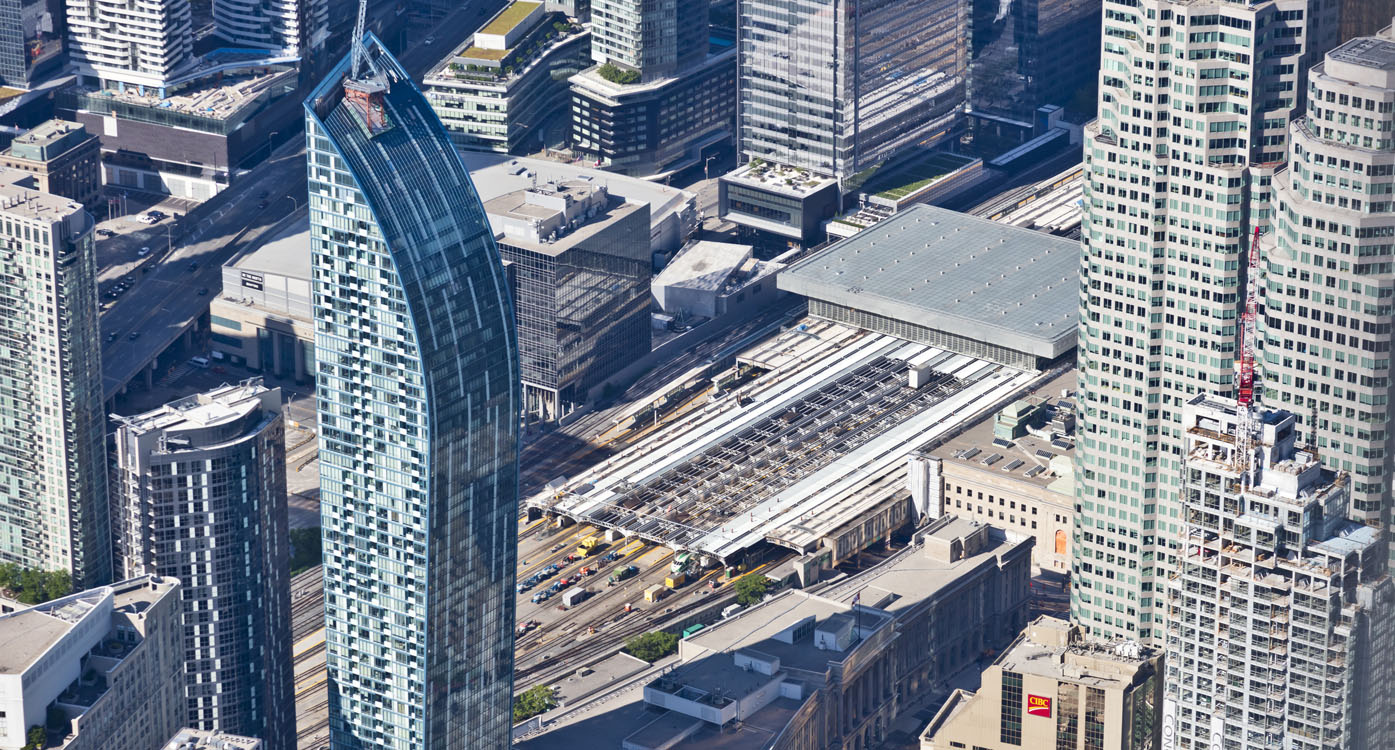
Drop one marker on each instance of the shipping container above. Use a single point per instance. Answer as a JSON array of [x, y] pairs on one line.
[[654, 593]]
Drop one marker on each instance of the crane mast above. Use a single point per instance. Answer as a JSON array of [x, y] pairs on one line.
[[356, 42], [1245, 365]]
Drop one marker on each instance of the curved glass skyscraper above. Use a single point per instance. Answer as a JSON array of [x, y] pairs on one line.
[[418, 394]]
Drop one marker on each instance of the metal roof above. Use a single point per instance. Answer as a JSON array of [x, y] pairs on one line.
[[949, 271]]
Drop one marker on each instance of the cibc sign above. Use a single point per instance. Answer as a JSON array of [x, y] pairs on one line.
[[1038, 705]]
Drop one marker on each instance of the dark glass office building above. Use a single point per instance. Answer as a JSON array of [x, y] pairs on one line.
[[1028, 54], [31, 40], [418, 399]]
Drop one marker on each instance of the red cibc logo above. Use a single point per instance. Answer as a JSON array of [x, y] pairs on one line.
[[1038, 705]]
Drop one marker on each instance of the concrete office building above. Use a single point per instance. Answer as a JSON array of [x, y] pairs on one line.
[[294, 28], [898, 84], [64, 158], [1178, 170], [418, 391], [1330, 271], [261, 320], [199, 739], [829, 669], [31, 41], [212, 468], [714, 279], [53, 490], [1026, 55], [579, 265], [1053, 689], [1013, 470], [668, 93], [114, 48], [108, 661], [1279, 610], [506, 88]]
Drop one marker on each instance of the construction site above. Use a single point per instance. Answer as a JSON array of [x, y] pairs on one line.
[[801, 445]]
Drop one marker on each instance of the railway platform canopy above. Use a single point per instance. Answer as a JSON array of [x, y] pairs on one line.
[[816, 445]]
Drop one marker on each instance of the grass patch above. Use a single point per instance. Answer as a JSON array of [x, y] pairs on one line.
[[509, 18]]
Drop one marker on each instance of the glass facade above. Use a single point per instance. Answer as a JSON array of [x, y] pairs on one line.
[[837, 86], [582, 315], [53, 480], [1018, 59], [31, 39], [418, 402]]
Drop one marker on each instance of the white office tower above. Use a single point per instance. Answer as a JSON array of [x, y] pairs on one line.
[[1195, 101], [1329, 278], [143, 43], [289, 27], [1279, 611], [53, 485]]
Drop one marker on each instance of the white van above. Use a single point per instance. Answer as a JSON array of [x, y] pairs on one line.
[[199, 362]]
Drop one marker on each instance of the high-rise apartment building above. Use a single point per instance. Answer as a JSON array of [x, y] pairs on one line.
[[1330, 270], [1279, 610], [417, 386], [834, 89], [1195, 102], [656, 38], [663, 91], [53, 481], [114, 47], [31, 40], [201, 497], [291, 27]]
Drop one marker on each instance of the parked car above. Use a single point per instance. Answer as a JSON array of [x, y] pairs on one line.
[[133, 335], [111, 337], [143, 252], [106, 233]]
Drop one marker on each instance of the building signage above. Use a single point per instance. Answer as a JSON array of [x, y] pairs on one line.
[[1038, 705], [252, 280]]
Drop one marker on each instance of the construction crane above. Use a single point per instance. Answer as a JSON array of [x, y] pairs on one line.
[[356, 41], [1247, 414]]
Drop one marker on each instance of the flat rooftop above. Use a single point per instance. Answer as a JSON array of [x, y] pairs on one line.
[[25, 203], [913, 575], [1024, 459], [218, 406], [951, 272], [219, 101], [509, 17], [285, 254], [755, 630], [771, 176], [497, 174], [203, 739], [916, 175], [767, 461], [704, 265], [1368, 52], [514, 205]]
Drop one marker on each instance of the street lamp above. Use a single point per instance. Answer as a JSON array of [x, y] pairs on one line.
[[269, 137], [706, 165], [295, 205]]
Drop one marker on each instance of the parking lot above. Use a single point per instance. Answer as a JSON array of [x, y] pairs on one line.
[[130, 244]]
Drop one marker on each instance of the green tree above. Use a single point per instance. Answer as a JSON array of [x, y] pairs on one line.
[[305, 549], [616, 74], [652, 646], [38, 738], [533, 701], [751, 589]]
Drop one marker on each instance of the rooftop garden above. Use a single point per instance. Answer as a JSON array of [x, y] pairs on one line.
[[616, 74], [492, 64], [907, 181], [778, 174]]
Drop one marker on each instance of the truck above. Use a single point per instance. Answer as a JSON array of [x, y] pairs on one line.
[[675, 580], [588, 546], [575, 597], [624, 573], [655, 593]]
